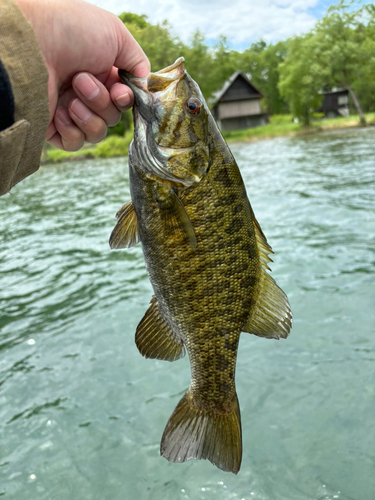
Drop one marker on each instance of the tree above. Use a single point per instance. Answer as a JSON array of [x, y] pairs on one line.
[[363, 84], [302, 76], [157, 41], [262, 61], [342, 36], [210, 67]]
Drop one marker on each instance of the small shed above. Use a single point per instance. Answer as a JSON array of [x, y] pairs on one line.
[[335, 103], [237, 104]]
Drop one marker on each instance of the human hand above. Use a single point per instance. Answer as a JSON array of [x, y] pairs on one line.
[[83, 46]]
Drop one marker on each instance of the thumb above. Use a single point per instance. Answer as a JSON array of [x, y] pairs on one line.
[[130, 56]]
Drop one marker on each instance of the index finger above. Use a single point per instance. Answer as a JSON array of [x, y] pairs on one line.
[[121, 94], [130, 55]]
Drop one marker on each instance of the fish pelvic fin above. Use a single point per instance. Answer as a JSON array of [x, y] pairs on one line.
[[126, 233], [271, 317], [154, 337], [194, 434]]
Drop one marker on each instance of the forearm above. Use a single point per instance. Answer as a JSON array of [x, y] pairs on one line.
[[21, 142]]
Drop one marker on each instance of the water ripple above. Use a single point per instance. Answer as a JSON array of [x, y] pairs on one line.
[[81, 412]]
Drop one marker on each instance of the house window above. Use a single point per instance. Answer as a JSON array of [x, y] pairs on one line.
[[342, 100]]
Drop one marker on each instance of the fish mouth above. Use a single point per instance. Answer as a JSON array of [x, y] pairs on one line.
[[153, 82], [149, 92]]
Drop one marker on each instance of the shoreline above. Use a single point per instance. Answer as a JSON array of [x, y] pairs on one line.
[[279, 126], [301, 133]]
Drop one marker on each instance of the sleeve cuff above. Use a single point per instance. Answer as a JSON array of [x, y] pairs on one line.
[[23, 61]]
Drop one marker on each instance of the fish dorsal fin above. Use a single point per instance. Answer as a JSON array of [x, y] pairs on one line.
[[154, 337], [125, 234], [271, 317], [185, 221]]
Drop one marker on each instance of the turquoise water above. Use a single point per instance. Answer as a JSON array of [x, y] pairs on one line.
[[82, 413]]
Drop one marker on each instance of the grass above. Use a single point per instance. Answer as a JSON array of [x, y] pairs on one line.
[[280, 125], [283, 125]]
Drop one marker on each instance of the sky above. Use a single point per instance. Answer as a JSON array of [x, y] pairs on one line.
[[241, 21]]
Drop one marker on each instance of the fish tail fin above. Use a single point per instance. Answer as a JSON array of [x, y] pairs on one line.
[[193, 434]]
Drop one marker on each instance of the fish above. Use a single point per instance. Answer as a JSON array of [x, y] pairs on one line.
[[206, 256]]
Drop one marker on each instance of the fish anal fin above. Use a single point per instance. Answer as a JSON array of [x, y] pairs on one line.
[[271, 317], [126, 233], [123, 209], [193, 434], [154, 337]]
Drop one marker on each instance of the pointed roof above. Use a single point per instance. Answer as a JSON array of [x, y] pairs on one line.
[[237, 87]]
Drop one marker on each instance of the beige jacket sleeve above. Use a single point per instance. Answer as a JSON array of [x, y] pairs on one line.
[[21, 144]]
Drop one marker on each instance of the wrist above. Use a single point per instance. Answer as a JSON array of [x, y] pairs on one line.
[[27, 7]]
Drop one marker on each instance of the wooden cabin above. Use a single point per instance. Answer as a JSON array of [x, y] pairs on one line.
[[237, 105], [335, 103]]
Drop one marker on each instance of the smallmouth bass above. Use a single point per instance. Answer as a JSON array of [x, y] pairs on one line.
[[206, 257]]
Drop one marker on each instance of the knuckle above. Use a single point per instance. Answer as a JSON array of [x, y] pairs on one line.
[[99, 104], [98, 129], [114, 119], [72, 146], [98, 137], [74, 140]]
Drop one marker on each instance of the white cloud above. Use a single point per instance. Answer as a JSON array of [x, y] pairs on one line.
[[241, 21]]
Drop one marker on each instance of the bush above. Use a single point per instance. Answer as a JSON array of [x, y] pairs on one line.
[[110, 147]]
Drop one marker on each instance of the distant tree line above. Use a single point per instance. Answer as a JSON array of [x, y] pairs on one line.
[[338, 52]]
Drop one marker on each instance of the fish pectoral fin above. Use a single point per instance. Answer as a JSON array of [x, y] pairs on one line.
[[182, 221], [154, 337], [126, 233], [271, 317], [194, 434]]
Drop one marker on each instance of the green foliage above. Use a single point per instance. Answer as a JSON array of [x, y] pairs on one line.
[[114, 146], [134, 19], [363, 83], [210, 67], [157, 41], [124, 124], [344, 39], [302, 76], [338, 52], [365, 75], [340, 35], [108, 148], [262, 63]]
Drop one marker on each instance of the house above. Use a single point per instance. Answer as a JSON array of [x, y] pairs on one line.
[[237, 104], [335, 103]]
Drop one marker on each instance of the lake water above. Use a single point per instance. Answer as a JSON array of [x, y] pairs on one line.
[[82, 413]]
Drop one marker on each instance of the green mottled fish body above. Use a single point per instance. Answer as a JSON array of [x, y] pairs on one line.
[[206, 257], [205, 294]]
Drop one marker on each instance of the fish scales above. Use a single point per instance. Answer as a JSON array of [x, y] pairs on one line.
[[205, 255], [216, 282]]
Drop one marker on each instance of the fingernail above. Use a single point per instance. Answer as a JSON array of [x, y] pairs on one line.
[[86, 86], [123, 100], [62, 115], [80, 110]]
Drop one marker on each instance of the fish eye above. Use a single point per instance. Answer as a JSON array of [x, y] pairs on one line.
[[193, 105]]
